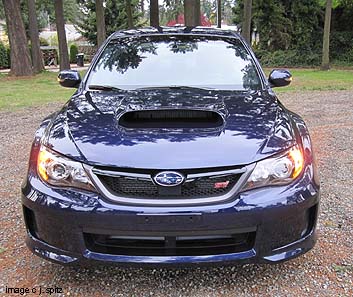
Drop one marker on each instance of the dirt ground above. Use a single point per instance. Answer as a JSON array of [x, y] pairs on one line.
[[325, 271]]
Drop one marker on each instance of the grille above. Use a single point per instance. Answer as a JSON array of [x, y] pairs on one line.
[[139, 188], [170, 245]]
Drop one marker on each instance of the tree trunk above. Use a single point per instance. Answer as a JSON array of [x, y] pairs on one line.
[[176, 9], [246, 28], [60, 28], [130, 22], [37, 57], [192, 13], [325, 65], [219, 13], [142, 7], [19, 53], [154, 13], [101, 34]]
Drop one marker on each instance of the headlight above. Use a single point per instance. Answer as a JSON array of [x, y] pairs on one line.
[[57, 170], [279, 170]]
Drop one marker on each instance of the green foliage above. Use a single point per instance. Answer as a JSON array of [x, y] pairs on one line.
[[272, 23], [43, 41], [342, 19], [173, 8], [341, 41], [209, 9], [335, 3], [45, 10], [53, 40], [269, 20], [2, 12], [290, 32], [288, 58], [341, 46], [170, 11], [73, 53], [305, 31], [346, 59], [284, 24], [115, 17], [4, 56]]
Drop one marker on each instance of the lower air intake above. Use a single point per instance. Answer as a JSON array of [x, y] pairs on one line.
[[170, 245]]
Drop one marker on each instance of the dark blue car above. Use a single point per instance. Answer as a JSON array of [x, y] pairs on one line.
[[174, 150]]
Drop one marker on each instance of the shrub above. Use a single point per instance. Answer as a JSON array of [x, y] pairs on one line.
[[4, 56], [341, 48], [341, 54], [346, 59], [73, 53], [288, 58], [340, 43]]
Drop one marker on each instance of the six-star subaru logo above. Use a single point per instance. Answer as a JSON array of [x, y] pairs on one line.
[[169, 178]]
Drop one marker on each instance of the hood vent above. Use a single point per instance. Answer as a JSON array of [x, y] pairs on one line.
[[171, 118]]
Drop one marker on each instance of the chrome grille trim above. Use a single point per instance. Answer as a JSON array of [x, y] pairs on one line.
[[118, 173], [92, 172]]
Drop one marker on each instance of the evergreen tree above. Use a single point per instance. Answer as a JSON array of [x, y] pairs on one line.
[[46, 13], [272, 24], [305, 17], [171, 11], [114, 14], [284, 24], [341, 37]]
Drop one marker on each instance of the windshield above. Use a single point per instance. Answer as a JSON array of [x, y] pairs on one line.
[[175, 61]]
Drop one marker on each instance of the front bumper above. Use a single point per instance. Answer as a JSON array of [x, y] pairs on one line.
[[282, 221]]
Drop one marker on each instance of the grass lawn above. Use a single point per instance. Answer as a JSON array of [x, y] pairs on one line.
[[316, 80], [43, 88], [31, 91]]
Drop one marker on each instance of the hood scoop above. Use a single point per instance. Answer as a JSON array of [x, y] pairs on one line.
[[171, 118], [171, 110], [251, 128]]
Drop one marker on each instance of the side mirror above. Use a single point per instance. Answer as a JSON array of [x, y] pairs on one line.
[[280, 78], [69, 78]]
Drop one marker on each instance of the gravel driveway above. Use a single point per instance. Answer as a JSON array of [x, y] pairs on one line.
[[326, 271]]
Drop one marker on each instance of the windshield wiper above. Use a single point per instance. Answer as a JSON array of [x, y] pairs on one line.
[[104, 88], [176, 87]]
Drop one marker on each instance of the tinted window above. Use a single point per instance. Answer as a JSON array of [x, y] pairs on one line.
[[211, 62]]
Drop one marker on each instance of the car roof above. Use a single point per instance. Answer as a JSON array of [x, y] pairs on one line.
[[176, 30]]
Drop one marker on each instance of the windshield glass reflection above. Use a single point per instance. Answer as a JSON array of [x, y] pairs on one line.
[[162, 61]]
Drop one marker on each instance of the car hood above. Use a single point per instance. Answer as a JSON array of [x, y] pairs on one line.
[[254, 126]]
